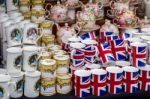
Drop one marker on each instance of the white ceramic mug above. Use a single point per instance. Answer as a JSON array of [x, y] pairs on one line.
[[13, 35], [14, 59], [30, 58], [30, 33], [21, 24], [18, 78], [32, 84], [12, 5], [6, 86]]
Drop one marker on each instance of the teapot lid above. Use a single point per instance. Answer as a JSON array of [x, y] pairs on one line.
[[4, 78]]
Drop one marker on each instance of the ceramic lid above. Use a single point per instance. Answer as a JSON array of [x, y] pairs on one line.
[[4, 78]]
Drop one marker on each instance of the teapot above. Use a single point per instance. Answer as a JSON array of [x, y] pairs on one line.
[[65, 31], [109, 27], [97, 7], [57, 12], [117, 8], [127, 19]]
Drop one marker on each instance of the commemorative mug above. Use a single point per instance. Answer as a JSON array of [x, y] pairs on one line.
[[13, 35], [18, 78], [14, 59], [12, 5], [30, 58], [32, 83], [62, 62], [6, 86], [47, 40], [48, 86], [114, 78], [63, 83], [47, 68], [31, 33], [130, 79]]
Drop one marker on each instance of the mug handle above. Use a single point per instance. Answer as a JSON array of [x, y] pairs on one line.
[[12, 86], [46, 7], [111, 4]]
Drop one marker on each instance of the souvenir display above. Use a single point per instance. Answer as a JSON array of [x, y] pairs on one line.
[[72, 46]]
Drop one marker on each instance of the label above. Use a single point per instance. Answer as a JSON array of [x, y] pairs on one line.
[[32, 34], [18, 62], [1, 92], [33, 60], [16, 35], [48, 87], [20, 85]]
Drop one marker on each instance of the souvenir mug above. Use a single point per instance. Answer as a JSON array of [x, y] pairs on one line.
[[98, 82], [6, 86], [144, 78], [47, 68], [62, 62], [130, 79], [32, 83], [47, 87], [24, 5], [138, 54], [12, 5], [13, 35], [30, 58], [18, 78], [14, 59], [63, 83], [114, 78], [47, 40], [3, 6], [31, 33], [82, 83]]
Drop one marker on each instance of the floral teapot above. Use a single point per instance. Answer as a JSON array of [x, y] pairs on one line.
[[58, 12], [109, 27], [118, 7], [127, 19], [65, 31], [95, 6]]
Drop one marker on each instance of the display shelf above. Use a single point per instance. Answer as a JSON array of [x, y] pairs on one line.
[[138, 95]]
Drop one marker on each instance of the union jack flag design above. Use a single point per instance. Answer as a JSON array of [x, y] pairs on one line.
[[105, 53], [144, 79], [114, 82], [98, 84], [138, 55], [88, 35], [130, 82], [124, 36], [82, 80], [103, 36], [110, 38], [82, 92], [118, 49]]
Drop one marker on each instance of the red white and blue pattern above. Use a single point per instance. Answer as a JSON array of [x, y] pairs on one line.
[[114, 82], [138, 55], [98, 84], [82, 92], [124, 36], [130, 82], [105, 53], [88, 35], [144, 77], [103, 36], [110, 38], [118, 49]]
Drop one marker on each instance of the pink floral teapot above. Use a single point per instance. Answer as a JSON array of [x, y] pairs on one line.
[[58, 12], [65, 31]]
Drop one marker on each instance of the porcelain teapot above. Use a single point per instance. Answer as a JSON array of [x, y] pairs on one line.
[[96, 7], [109, 27], [58, 12], [127, 19], [65, 31]]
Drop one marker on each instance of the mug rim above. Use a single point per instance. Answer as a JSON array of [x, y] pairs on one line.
[[130, 69], [144, 37], [89, 42], [32, 73], [73, 39], [139, 44], [15, 75], [114, 70], [82, 73], [98, 72], [77, 45], [30, 48], [123, 63], [145, 68], [44, 62], [95, 66], [14, 50], [134, 39], [4, 78]]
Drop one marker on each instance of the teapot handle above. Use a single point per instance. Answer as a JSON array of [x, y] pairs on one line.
[[40, 30], [111, 4], [100, 4], [115, 22], [47, 6]]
